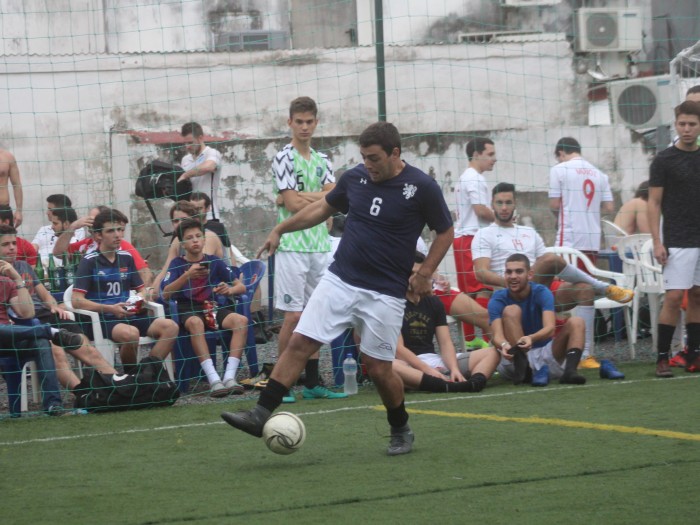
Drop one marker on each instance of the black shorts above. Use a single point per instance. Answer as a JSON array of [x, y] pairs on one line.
[[143, 323], [185, 310]]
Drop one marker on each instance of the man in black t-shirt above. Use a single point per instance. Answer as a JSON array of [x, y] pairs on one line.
[[674, 192], [418, 364]]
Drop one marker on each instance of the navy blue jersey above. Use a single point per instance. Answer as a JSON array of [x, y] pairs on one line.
[[197, 290], [107, 282], [540, 299], [383, 223]]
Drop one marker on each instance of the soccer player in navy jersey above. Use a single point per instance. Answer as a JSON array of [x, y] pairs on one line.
[[388, 203]]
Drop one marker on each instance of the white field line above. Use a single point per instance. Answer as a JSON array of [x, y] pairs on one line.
[[430, 398]]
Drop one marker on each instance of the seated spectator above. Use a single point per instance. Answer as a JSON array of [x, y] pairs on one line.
[[32, 341], [45, 238], [202, 203], [25, 250], [523, 322], [47, 310], [632, 216], [179, 212], [420, 367], [103, 283], [89, 244], [192, 281], [571, 287]]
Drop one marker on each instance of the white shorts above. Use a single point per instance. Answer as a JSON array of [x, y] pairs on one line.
[[296, 276], [435, 361], [682, 270], [335, 306], [537, 357]]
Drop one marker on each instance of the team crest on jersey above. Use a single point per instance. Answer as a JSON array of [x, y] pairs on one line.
[[123, 273], [319, 172], [363, 181], [409, 190]]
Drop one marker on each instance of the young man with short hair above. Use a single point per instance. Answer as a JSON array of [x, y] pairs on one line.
[[47, 310], [473, 210], [192, 281], [523, 323], [103, 283], [674, 193], [417, 363], [45, 238], [25, 250], [302, 176], [388, 203], [202, 165]]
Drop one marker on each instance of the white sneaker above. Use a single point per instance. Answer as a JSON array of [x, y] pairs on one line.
[[218, 389], [233, 387]]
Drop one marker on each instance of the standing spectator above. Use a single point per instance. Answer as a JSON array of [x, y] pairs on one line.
[[674, 193], [202, 165], [578, 191], [25, 249], [9, 174], [473, 209], [302, 176], [388, 203], [45, 238]]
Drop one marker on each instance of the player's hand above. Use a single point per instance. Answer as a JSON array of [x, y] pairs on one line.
[[18, 219], [7, 270], [223, 289], [60, 312], [524, 343], [457, 376], [271, 244], [660, 253], [504, 350], [119, 310], [420, 285], [435, 373], [197, 271]]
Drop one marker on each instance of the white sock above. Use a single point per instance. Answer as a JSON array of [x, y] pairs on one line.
[[571, 274], [231, 368], [587, 313], [212, 375], [54, 331]]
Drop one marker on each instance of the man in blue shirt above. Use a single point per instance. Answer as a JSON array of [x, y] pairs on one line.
[[388, 203], [103, 284], [523, 324]]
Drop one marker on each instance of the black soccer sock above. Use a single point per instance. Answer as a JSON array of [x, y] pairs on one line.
[[573, 358], [397, 417], [272, 394], [693, 332], [433, 384], [311, 379], [663, 347]]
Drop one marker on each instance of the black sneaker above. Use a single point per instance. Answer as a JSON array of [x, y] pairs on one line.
[[520, 366], [56, 410], [67, 340], [401, 441], [249, 421]]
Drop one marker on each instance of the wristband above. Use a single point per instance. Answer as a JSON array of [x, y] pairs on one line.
[[21, 285]]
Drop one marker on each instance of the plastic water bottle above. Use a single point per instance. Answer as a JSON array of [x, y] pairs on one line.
[[350, 372]]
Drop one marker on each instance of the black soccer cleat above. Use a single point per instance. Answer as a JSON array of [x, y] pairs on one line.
[[401, 441], [572, 378], [249, 421], [67, 340]]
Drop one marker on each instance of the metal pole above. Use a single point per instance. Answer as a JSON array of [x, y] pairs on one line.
[[379, 45]]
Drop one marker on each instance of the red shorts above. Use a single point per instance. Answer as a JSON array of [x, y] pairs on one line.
[[466, 278], [446, 298]]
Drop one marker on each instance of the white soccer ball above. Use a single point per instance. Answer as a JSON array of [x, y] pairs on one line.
[[284, 433]]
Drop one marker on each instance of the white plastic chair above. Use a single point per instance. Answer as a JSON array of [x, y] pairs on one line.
[[107, 347], [637, 250], [572, 255], [612, 233]]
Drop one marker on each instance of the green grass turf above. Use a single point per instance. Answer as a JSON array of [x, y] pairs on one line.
[[182, 465]]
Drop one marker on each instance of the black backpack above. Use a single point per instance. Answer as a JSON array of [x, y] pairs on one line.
[[158, 180], [150, 386]]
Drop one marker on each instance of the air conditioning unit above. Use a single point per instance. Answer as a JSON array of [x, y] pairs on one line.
[[608, 29], [257, 40], [526, 3], [642, 102]]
